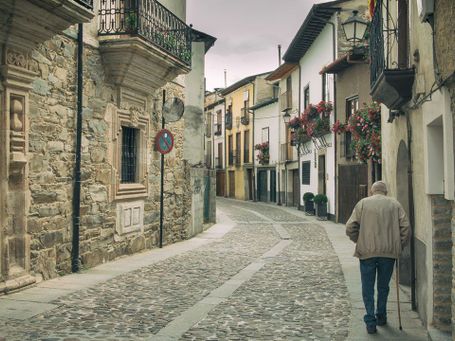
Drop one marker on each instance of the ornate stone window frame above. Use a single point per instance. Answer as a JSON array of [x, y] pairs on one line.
[[132, 117]]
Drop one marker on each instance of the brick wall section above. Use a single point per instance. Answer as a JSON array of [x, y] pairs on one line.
[[441, 211]]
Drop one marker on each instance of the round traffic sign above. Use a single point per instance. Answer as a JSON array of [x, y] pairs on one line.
[[164, 141]]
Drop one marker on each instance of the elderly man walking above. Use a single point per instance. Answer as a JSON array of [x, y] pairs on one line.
[[379, 227]]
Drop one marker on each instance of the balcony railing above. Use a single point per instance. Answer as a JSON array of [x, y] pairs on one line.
[[391, 77], [86, 3], [148, 19], [286, 100], [245, 120], [376, 45]]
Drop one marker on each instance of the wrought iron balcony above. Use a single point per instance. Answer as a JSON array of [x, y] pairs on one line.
[[245, 120], [151, 21], [391, 78]]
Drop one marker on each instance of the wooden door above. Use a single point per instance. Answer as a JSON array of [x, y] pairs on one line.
[[231, 184], [352, 186], [321, 175], [272, 186], [249, 195], [220, 183], [262, 185]]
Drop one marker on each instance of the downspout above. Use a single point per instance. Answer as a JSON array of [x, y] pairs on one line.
[[224, 151], [77, 166], [411, 214], [252, 149]]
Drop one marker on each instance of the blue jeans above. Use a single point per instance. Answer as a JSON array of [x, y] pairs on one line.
[[368, 268]]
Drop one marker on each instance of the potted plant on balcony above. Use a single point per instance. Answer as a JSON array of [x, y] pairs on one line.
[[365, 128], [308, 203], [264, 155], [321, 206]]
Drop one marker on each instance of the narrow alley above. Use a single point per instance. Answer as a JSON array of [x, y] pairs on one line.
[[263, 272]]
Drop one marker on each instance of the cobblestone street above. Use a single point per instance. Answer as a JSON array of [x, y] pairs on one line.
[[263, 273]]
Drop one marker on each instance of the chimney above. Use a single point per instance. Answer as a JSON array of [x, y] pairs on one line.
[[279, 54]]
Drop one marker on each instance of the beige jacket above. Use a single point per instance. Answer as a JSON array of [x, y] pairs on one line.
[[379, 227]]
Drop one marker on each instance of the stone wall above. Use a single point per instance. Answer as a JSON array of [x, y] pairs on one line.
[[444, 28], [442, 262], [445, 50], [51, 149]]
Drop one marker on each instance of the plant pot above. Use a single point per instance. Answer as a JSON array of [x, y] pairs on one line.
[[309, 207], [321, 211]]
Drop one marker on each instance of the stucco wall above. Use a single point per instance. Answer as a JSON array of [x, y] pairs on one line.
[[319, 55]]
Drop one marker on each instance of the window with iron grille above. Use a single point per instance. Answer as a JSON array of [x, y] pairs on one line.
[[129, 155], [352, 105], [306, 172]]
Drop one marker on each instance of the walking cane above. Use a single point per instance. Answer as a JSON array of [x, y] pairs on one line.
[[397, 276]]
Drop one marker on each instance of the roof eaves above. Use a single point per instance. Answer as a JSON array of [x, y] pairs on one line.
[[312, 26], [264, 103], [241, 83]]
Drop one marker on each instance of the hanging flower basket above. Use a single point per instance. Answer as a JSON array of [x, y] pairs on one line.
[[313, 122], [365, 127]]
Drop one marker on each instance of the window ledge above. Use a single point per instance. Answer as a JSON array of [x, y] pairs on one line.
[[129, 191]]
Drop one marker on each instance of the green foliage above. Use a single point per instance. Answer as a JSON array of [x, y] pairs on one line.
[[308, 196], [320, 199]]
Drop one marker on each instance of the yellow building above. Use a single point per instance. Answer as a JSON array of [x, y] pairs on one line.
[[239, 125]]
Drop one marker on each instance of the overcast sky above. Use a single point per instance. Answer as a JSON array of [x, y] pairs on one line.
[[247, 32]]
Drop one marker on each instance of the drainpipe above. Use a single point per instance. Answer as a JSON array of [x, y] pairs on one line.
[[77, 166], [252, 149], [411, 214], [224, 150]]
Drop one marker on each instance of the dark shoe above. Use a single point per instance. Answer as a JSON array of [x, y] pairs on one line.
[[381, 321], [372, 329]]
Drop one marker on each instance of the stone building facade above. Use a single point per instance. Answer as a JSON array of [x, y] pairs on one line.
[[118, 215], [414, 83], [445, 64]]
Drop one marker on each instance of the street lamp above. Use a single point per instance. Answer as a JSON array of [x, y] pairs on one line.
[[286, 117], [354, 28]]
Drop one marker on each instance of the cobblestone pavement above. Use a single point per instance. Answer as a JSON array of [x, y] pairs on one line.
[[296, 293]]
